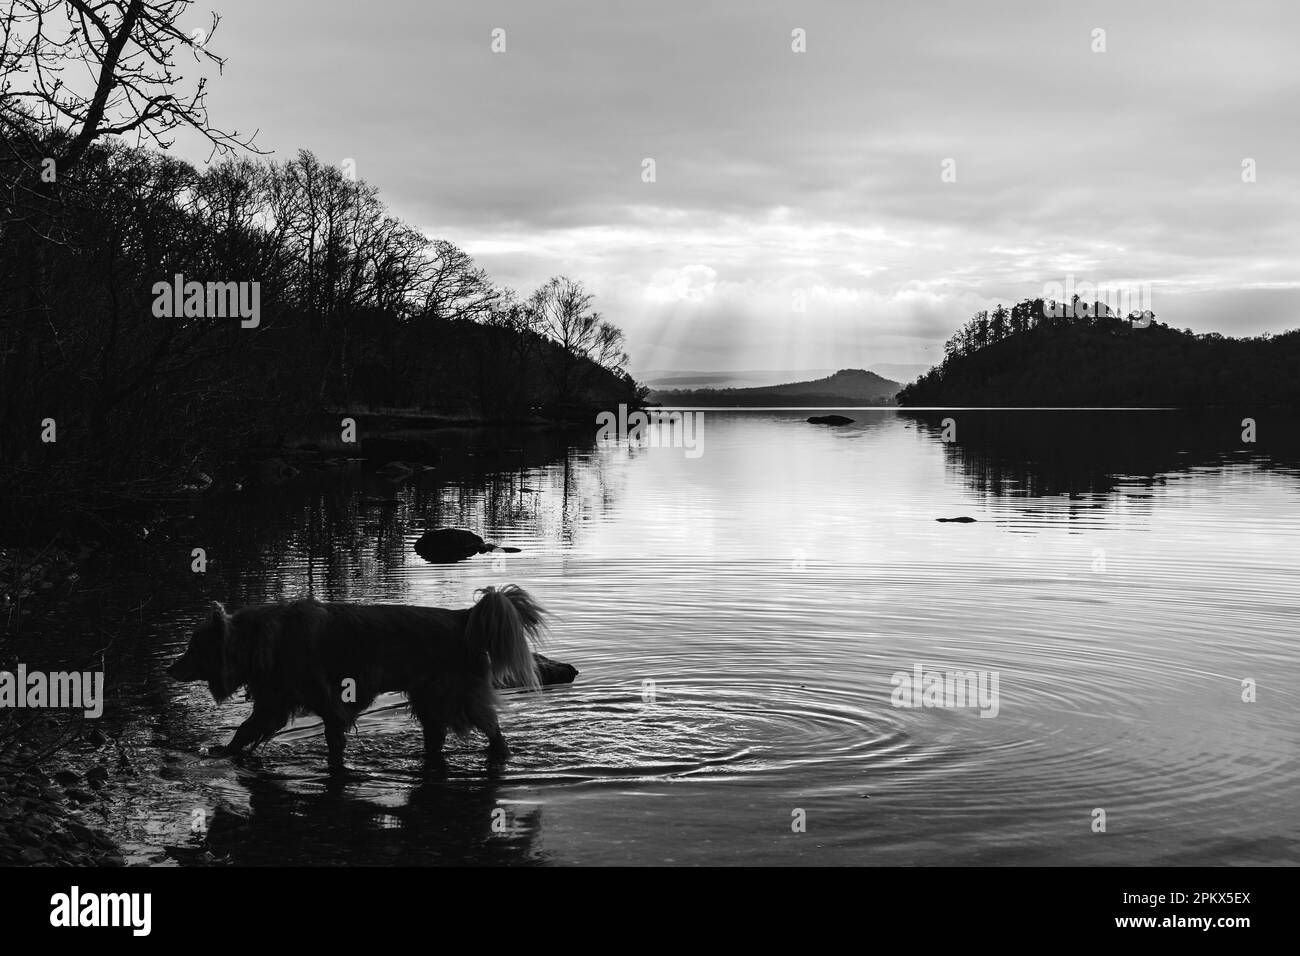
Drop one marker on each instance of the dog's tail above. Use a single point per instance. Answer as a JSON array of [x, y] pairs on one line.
[[502, 622]]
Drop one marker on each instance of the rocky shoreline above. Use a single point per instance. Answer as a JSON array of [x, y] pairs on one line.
[[58, 783], [43, 819]]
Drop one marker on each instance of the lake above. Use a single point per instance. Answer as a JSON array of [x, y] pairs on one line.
[[745, 621]]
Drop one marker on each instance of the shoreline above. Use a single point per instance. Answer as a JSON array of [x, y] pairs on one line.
[[54, 777], [45, 815]]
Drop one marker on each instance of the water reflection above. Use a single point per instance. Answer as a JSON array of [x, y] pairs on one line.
[[737, 618], [335, 535], [1035, 453], [431, 821]]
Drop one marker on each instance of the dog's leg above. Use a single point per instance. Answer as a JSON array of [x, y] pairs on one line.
[[486, 721], [424, 706], [259, 727], [435, 735], [334, 731]]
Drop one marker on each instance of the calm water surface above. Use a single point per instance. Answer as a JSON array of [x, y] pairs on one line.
[[737, 618]]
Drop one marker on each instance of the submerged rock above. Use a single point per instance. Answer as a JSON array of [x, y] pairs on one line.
[[554, 672], [830, 420], [549, 672], [445, 545]]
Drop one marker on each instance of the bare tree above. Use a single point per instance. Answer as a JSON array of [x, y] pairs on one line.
[[73, 72], [130, 86], [457, 287], [561, 310]]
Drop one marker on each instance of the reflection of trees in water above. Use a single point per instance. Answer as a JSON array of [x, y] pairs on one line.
[[442, 821], [547, 500], [1037, 454], [343, 536], [321, 536]]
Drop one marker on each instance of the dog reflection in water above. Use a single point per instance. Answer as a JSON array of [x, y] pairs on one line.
[[332, 660]]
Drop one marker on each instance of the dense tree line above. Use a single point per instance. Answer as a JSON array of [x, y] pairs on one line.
[[356, 308], [986, 328], [1031, 355]]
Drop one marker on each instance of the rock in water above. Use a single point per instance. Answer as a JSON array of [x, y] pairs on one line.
[[550, 672], [446, 545], [553, 672], [830, 420], [449, 544], [962, 520]]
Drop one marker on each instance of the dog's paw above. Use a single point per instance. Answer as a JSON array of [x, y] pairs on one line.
[[229, 752]]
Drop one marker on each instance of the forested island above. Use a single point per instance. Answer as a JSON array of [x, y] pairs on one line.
[[1040, 354]]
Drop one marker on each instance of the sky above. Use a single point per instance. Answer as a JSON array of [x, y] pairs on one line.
[[844, 206]]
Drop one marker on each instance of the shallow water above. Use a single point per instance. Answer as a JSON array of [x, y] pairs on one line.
[[737, 618]]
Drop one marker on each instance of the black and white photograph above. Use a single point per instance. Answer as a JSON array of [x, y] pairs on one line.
[[546, 434]]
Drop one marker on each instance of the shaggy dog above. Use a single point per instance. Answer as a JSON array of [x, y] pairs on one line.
[[332, 660]]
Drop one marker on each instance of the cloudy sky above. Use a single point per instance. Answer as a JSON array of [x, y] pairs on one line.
[[799, 216]]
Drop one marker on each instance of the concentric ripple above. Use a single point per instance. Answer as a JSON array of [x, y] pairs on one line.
[[708, 727], [740, 621]]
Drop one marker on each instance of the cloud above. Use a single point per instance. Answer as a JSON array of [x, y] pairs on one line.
[[817, 174]]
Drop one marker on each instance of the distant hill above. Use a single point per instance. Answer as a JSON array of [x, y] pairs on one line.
[[901, 373], [850, 386], [1106, 361], [681, 379], [678, 380]]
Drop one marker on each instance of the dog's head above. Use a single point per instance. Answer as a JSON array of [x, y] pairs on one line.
[[209, 657]]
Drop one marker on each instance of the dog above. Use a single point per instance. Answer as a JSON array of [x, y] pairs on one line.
[[333, 659]]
